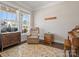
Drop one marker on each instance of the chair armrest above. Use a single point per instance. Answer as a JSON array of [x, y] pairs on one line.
[[38, 34], [28, 35]]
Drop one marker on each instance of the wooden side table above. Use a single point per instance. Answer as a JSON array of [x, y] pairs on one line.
[[48, 38]]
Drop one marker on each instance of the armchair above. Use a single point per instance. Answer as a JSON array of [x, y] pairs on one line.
[[33, 37], [73, 36]]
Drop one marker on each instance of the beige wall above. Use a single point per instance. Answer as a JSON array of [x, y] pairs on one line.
[[67, 14]]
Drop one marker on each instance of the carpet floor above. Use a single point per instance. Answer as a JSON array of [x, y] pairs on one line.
[[32, 50]]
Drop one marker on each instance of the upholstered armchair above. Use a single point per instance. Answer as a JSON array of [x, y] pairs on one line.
[[33, 37], [73, 36]]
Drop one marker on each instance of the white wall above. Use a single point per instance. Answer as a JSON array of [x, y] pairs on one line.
[[67, 14]]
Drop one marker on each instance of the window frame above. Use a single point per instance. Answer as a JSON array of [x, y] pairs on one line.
[[21, 14]]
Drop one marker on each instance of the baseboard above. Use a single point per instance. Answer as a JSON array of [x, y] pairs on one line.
[[59, 42], [56, 41]]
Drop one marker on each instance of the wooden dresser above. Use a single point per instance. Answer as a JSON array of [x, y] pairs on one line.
[[9, 38], [48, 38]]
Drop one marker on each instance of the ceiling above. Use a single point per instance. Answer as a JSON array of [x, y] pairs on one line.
[[33, 5]]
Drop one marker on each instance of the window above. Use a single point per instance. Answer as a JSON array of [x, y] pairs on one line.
[[11, 19], [8, 18], [25, 23]]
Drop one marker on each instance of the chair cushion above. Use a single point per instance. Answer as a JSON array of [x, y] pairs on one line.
[[35, 33], [33, 37]]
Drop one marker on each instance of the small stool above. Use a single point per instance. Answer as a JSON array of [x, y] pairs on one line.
[[67, 46]]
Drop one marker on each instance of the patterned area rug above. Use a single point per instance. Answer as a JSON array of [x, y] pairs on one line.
[[32, 50]]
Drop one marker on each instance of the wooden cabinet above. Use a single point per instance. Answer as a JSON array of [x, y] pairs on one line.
[[48, 38], [10, 38]]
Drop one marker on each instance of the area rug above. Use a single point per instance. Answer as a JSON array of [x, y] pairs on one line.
[[32, 50]]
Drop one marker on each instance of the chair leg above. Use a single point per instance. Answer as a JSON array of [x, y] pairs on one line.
[[73, 52], [65, 52], [76, 52], [70, 54]]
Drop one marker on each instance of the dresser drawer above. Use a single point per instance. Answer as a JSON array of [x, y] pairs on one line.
[[5, 41]]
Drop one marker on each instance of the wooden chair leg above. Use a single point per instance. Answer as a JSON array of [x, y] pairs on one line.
[[65, 52], [73, 52], [0, 55], [76, 52], [70, 54]]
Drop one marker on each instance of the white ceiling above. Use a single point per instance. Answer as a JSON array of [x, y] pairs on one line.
[[33, 5]]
